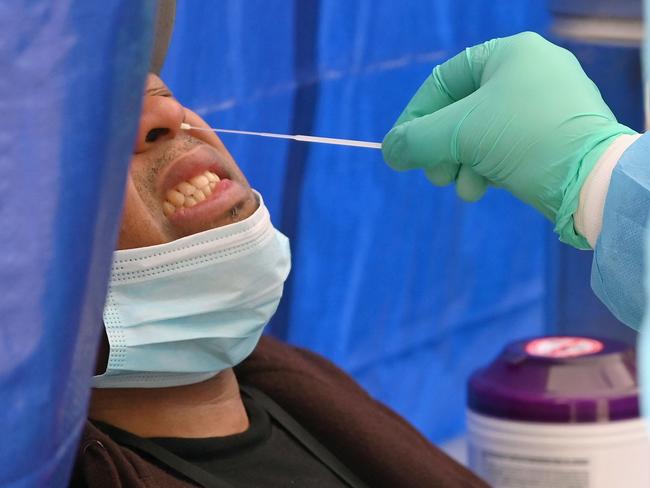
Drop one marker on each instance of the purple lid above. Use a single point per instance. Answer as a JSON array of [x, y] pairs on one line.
[[558, 379]]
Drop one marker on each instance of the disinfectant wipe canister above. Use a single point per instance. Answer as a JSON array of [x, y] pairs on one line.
[[559, 412]]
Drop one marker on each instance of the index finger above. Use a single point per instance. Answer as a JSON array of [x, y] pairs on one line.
[[449, 82]]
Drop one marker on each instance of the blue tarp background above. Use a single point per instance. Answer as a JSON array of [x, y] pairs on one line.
[[400, 283], [72, 72]]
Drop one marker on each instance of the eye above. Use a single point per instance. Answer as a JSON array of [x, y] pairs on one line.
[[161, 91]]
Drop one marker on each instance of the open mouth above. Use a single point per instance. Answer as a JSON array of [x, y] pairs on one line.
[[187, 194], [193, 180], [199, 191]]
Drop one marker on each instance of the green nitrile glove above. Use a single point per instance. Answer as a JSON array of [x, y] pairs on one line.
[[517, 113]]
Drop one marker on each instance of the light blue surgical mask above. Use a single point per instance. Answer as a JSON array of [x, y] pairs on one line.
[[181, 312]]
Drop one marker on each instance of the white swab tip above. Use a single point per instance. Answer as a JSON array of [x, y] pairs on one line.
[[185, 126]]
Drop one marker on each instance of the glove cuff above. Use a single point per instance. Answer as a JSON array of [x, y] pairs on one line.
[[588, 217], [564, 222]]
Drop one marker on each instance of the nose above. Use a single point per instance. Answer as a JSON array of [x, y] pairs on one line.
[[160, 121]]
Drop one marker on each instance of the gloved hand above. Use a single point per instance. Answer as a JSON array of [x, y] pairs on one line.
[[517, 113]]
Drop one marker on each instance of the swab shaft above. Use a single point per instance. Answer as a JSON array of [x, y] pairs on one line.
[[301, 138]]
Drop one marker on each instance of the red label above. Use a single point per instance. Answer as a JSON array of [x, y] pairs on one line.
[[563, 347]]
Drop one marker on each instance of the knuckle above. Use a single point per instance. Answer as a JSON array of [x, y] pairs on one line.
[[534, 42], [529, 37]]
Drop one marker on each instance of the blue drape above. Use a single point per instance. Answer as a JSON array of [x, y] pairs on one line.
[[72, 71]]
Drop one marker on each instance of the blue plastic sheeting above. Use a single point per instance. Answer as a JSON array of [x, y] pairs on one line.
[[72, 71], [398, 282]]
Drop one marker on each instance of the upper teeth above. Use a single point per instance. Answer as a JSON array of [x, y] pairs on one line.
[[188, 193]]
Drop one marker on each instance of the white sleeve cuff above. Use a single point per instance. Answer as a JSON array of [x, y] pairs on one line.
[[588, 218]]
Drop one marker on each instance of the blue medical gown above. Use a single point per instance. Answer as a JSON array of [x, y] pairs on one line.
[[619, 264], [620, 273]]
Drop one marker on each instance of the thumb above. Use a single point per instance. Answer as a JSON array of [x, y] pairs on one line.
[[429, 142]]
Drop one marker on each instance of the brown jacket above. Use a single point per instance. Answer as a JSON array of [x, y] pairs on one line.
[[378, 445]]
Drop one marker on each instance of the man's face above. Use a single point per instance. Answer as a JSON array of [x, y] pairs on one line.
[[179, 182]]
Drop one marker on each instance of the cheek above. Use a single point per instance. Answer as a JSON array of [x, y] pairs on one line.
[[138, 227]]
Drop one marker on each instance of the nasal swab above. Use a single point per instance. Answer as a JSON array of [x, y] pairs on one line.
[[322, 140]]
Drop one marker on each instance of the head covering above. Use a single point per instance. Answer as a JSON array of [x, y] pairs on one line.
[[165, 13]]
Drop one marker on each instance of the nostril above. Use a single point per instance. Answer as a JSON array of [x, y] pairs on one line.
[[154, 134]]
